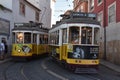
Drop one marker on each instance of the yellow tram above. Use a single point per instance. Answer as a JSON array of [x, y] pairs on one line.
[[74, 42], [29, 39]]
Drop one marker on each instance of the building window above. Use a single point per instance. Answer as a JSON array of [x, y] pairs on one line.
[[91, 4], [82, 8], [112, 13], [37, 16], [22, 8], [100, 18], [99, 2]]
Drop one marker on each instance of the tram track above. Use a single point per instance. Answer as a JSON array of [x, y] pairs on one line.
[[39, 69], [51, 72], [5, 70], [9, 73], [84, 76], [22, 72]]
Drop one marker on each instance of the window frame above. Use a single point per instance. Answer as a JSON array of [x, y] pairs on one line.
[[37, 16], [92, 4], [22, 8], [113, 4], [29, 37], [64, 37], [74, 36], [100, 16], [99, 3]]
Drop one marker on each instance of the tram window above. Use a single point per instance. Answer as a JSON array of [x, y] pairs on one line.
[[64, 34], [19, 37], [86, 35], [41, 39], [74, 35], [96, 35], [52, 38], [34, 38], [46, 39], [57, 37], [27, 37]]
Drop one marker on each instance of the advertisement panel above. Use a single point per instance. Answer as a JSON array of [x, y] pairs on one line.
[[84, 52]]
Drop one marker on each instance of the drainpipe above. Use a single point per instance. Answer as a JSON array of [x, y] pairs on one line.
[[104, 30]]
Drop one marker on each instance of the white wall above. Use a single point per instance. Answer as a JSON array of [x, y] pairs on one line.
[[34, 2], [6, 3], [7, 15], [113, 32], [29, 13], [52, 14], [45, 6]]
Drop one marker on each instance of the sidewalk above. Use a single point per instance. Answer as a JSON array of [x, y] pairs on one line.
[[110, 65], [5, 60]]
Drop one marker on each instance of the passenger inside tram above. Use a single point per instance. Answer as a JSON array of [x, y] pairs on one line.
[[74, 35], [19, 37]]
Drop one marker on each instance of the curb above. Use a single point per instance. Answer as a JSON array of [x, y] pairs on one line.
[[110, 65]]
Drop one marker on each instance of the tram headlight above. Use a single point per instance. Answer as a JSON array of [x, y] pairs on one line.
[[19, 50]]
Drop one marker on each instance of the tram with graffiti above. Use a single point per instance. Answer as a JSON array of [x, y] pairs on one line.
[[29, 40], [74, 42]]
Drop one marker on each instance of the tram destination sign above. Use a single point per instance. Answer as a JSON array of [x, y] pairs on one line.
[[83, 15]]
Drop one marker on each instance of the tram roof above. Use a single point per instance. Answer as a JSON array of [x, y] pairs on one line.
[[77, 20], [78, 17], [28, 27]]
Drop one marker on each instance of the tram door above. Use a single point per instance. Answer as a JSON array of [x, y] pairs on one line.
[[34, 38], [64, 43]]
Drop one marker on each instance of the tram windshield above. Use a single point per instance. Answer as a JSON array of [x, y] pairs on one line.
[[27, 37], [83, 35], [74, 35], [86, 35], [20, 37]]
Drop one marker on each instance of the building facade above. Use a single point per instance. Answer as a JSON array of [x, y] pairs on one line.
[[46, 11], [80, 5], [5, 22], [109, 17]]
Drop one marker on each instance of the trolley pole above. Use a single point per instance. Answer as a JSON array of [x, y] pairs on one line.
[[104, 30]]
